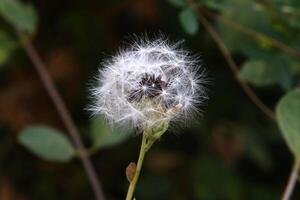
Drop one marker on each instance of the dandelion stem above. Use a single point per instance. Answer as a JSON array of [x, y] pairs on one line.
[[144, 148], [292, 180]]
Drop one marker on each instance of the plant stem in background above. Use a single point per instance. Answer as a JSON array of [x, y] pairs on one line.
[[63, 112], [231, 63], [144, 148], [292, 180]]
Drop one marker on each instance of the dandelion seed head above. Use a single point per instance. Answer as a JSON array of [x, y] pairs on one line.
[[151, 82]]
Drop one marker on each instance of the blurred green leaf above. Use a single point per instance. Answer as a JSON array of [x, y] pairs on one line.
[[7, 45], [288, 115], [177, 3], [290, 9], [256, 72], [276, 65], [103, 135], [19, 14], [47, 143], [188, 20], [263, 73], [253, 46]]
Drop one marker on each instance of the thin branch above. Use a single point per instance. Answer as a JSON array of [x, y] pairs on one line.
[[231, 63], [292, 181], [63, 112], [255, 34]]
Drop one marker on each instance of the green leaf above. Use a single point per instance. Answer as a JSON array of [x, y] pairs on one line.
[[261, 73], [47, 143], [288, 115], [188, 20], [19, 14], [177, 3], [103, 135], [242, 12], [257, 73], [7, 45]]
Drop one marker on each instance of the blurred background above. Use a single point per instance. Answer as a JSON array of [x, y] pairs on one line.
[[232, 152]]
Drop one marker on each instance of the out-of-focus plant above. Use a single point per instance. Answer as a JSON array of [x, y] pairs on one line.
[[270, 43], [7, 45], [288, 115], [44, 141]]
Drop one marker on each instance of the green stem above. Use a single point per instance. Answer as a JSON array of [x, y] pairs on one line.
[[292, 180], [144, 147], [149, 137]]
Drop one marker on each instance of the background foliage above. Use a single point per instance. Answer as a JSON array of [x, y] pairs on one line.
[[233, 151]]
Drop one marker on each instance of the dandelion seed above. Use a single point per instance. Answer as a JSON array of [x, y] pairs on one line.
[[149, 83]]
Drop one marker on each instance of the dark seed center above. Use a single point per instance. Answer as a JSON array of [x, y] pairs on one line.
[[149, 86]]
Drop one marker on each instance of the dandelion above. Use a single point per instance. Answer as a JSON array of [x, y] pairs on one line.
[[143, 84], [149, 85]]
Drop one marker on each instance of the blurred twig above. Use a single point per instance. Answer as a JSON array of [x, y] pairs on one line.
[[292, 181], [63, 112], [231, 63], [255, 34]]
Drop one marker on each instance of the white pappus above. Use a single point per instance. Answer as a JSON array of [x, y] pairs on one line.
[[149, 83]]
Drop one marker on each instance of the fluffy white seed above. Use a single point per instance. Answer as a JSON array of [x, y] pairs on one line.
[[149, 83]]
